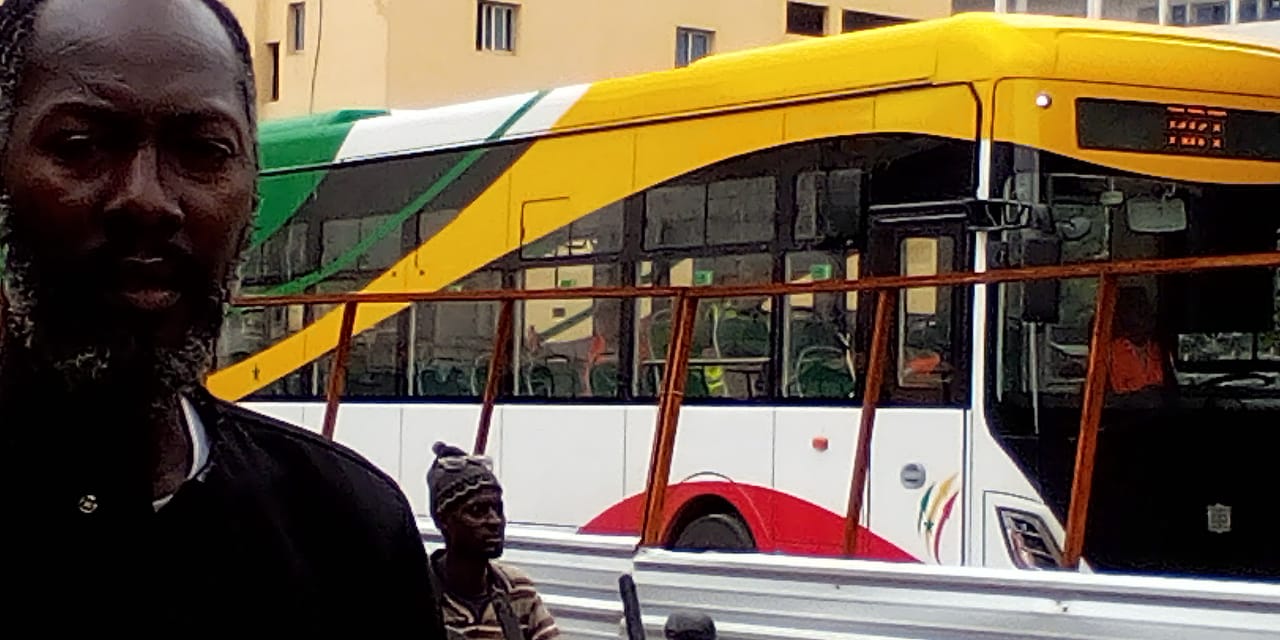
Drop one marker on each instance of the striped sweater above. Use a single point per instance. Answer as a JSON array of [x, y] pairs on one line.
[[479, 621]]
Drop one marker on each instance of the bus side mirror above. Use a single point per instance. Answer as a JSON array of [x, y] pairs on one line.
[[1157, 215], [1040, 298]]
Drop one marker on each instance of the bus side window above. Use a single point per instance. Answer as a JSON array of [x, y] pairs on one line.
[[376, 365], [818, 358], [453, 341], [924, 315], [569, 348], [729, 355]]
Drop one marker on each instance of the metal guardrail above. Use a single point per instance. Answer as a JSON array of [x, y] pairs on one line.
[[754, 596], [759, 596], [576, 575]]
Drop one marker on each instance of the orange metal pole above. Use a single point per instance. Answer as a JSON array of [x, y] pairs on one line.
[[338, 372], [502, 339], [664, 436], [951, 279], [1095, 390], [876, 361]]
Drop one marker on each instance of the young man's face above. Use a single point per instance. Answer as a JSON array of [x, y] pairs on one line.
[[477, 526], [131, 178]]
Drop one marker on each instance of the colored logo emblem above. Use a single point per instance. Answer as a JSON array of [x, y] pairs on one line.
[[1219, 518]]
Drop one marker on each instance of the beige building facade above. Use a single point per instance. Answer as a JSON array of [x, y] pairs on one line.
[[320, 55]]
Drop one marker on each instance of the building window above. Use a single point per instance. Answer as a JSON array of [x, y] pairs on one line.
[[274, 49], [496, 27], [692, 44], [860, 20], [297, 26], [806, 19], [1068, 8]]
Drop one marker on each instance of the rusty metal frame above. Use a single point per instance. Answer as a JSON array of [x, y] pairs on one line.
[[686, 300], [338, 372], [670, 398], [502, 338], [1095, 392], [886, 302]]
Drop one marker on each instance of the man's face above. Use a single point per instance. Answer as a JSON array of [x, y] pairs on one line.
[[477, 526], [130, 175]]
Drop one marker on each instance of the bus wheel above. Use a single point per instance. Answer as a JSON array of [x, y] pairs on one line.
[[715, 532]]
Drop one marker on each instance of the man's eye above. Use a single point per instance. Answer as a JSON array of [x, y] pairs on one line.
[[77, 148], [205, 154]]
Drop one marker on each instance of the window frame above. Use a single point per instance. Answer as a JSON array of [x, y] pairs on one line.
[[495, 19], [684, 44], [792, 28], [297, 24]]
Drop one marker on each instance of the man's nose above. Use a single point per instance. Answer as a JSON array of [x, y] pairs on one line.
[[141, 204]]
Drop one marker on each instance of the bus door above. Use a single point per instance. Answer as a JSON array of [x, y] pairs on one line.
[[917, 448]]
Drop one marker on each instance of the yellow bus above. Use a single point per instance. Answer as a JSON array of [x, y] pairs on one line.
[[966, 143]]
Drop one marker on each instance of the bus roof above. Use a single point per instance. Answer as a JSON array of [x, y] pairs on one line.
[[966, 48]]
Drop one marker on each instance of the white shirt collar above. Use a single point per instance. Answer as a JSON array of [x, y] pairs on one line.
[[199, 439]]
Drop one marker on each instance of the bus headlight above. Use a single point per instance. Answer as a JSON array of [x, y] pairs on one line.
[[1030, 543]]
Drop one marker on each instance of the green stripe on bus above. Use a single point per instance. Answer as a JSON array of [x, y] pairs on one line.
[[297, 142], [301, 284]]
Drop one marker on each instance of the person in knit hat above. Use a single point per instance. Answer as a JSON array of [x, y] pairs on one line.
[[478, 596]]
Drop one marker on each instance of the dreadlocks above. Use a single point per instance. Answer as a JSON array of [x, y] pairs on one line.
[[178, 367]]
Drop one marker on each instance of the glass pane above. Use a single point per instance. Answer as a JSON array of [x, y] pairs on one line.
[[249, 331], [924, 321], [509, 29], [729, 357], [828, 203], [431, 222], [598, 232], [819, 358], [1210, 13], [1076, 8], [682, 47], [338, 236], [1248, 10], [376, 364], [387, 244], [1132, 10], [453, 341], [962, 6], [1272, 9], [741, 210], [699, 46], [675, 216], [569, 348]]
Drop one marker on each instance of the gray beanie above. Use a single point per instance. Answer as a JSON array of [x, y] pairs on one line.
[[455, 476]]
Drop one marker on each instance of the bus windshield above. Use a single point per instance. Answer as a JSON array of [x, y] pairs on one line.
[[1188, 336]]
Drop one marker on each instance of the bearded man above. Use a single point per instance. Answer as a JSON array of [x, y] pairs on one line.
[[133, 498]]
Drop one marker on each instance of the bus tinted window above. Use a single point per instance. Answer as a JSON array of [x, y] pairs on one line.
[[569, 348], [828, 204], [729, 357], [924, 320], [722, 212], [818, 359], [376, 365], [453, 340], [282, 257], [598, 232]]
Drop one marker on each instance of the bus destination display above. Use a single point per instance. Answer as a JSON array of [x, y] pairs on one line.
[[1177, 129]]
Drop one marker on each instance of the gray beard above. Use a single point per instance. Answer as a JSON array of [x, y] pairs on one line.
[[119, 359]]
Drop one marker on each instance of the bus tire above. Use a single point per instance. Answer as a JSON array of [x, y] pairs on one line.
[[715, 532]]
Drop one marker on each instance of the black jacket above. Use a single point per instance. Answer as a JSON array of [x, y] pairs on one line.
[[285, 531]]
